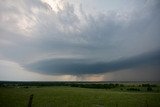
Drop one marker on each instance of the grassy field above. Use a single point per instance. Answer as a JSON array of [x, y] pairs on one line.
[[76, 97]]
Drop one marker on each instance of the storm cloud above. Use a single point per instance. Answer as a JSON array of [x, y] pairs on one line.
[[66, 37], [83, 66]]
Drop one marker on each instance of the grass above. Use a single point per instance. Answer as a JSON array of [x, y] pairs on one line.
[[76, 97]]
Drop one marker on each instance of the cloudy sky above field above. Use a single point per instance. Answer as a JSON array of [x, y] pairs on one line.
[[80, 40]]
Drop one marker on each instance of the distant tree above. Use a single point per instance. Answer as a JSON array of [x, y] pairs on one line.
[[133, 89], [149, 88], [121, 85]]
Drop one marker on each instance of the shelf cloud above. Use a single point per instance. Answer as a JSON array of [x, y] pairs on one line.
[[83, 66]]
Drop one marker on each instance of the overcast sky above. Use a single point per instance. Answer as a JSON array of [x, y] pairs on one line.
[[74, 40]]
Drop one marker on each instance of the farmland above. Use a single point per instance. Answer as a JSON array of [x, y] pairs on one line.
[[123, 95]]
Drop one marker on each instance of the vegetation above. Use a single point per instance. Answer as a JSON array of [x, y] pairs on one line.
[[82, 95], [133, 89]]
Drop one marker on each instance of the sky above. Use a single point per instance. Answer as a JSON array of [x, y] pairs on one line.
[[80, 40]]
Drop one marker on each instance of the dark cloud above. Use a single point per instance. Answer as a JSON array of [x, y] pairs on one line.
[[74, 40], [84, 66]]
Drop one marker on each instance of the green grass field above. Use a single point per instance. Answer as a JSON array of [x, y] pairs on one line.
[[76, 97]]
